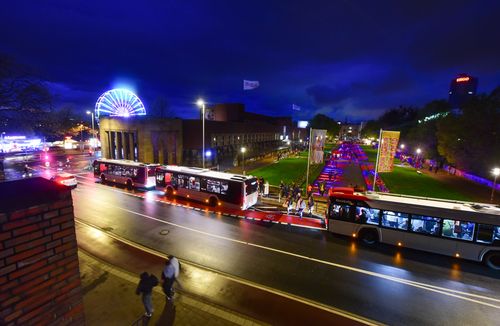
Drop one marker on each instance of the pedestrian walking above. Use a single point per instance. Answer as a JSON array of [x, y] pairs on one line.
[[301, 205], [310, 204], [266, 189], [145, 288], [309, 189], [169, 276], [289, 205], [322, 188]]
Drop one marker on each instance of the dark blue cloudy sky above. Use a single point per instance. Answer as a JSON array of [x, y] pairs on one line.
[[351, 59]]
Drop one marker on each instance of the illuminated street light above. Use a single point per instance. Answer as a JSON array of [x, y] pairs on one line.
[[93, 141], [243, 150], [419, 151], [402, 146], [496, 172], [201, 104], [208, 153]]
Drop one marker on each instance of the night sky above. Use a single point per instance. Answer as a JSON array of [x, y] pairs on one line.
[[347, 59]]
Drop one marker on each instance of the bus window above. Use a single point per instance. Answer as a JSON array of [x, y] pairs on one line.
[[425, 224], [213, 186], [367, 215], [194, 183], [224, 186], [488, 233], [395, 220], [342, 212], [458, 229]]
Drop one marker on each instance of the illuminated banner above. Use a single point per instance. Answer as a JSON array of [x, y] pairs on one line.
[[318, 137], [387, 150]]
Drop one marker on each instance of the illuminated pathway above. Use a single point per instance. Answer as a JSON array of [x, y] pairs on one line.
[[388, 285]]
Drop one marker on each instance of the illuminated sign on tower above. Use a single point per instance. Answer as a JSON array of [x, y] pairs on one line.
[[462, 88]]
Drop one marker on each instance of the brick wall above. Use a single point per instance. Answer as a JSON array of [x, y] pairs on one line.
[[39, 271]]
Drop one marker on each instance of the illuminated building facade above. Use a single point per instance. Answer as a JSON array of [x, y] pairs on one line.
[[228, 128], [462, 88]]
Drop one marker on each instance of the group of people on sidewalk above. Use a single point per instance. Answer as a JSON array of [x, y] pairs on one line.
[[148, 281], [293, 200]]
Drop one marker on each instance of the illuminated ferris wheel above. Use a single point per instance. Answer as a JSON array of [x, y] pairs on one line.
[[119, 102]]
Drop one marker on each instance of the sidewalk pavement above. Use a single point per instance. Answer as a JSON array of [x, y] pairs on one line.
[[110, 268], [109, 299]]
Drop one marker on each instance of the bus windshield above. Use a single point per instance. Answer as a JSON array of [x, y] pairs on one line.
[[251, 186]]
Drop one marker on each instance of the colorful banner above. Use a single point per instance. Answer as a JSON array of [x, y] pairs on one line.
[[318, 137], [387, 149]]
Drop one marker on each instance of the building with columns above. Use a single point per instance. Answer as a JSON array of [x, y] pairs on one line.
[[228, 128]]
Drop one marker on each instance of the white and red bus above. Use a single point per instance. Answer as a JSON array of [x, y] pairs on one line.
[[459, 229], [129, 173], [210, 187]]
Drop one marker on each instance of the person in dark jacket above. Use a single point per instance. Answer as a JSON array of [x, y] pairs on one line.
[[145, 287]]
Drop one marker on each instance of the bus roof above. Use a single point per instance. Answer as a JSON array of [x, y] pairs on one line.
[[438, 203], [125, 162], [422, 205], [206, 173]]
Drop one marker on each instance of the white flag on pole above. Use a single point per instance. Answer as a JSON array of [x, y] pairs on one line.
[[295, 107], [250, 84]]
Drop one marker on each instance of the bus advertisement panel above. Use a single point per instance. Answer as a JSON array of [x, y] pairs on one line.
[[210, 187]]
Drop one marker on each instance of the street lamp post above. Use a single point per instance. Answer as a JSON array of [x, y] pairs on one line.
[[496, 172], [201, 103], [243, 150], [418, 154], [93, 131]]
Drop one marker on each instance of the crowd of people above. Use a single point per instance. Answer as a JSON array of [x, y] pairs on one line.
[[293, 200]]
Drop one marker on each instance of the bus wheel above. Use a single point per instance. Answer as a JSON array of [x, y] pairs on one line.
[[492, 259], [212, 201], [169, 192], [129, 184], [368, 236], [103, 179]]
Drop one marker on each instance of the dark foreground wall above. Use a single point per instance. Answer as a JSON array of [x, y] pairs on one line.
[[39, 271]]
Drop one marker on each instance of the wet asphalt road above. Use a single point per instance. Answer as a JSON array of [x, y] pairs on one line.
[[386, 284]]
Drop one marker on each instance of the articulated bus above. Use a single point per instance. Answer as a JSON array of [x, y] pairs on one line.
[[211, 187], [459, 229], [130, 173]]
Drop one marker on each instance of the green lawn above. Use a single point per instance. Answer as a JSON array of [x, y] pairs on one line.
[[370, 152], [407, 181], [289, 170]]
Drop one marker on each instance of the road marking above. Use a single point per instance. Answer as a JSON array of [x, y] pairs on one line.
[[236, 279], [429, 287]]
